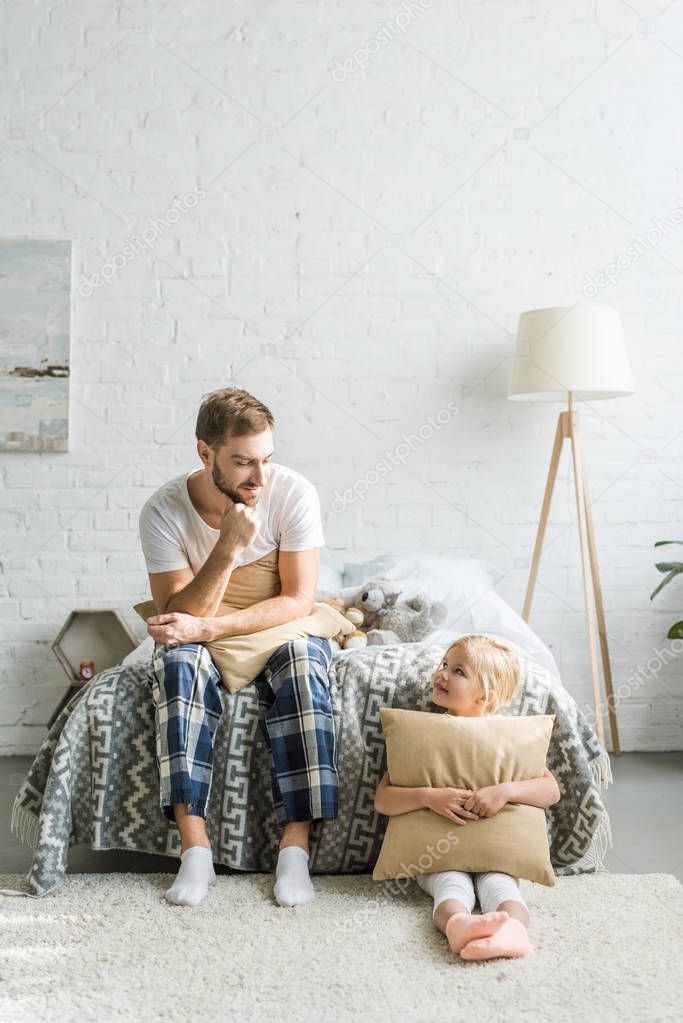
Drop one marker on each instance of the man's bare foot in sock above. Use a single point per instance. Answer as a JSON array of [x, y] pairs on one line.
[[194, 877], [462, 928], [196, 871], [509, 941], [293, 885]]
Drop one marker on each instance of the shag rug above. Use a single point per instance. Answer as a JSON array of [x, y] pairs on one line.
[[110, 947]]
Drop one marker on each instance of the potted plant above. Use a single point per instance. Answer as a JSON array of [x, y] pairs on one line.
[[671, 568]]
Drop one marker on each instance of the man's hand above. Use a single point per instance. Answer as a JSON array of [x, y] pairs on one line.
[[239, 527], [451, 803], [488, 801], [175, 628]]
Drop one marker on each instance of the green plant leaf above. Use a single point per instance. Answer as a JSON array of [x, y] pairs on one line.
[[665, 580], [662, 543], [676, 631], [669, 566]]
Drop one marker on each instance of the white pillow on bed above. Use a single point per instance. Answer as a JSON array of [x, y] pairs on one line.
[[330, 582], [461, 574], [464, 585]]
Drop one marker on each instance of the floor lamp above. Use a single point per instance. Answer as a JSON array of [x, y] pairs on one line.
[[568, 353]]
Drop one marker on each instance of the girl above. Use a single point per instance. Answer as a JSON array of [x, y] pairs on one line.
[[475, 677]]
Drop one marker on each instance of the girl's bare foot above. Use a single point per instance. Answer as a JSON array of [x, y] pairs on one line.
[[511, 940], [462, 928]]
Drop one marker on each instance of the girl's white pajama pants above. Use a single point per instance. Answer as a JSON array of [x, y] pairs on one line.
[[491, 888]]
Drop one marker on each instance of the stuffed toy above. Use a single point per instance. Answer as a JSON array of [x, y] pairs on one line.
[[353, 640], [388, 621]]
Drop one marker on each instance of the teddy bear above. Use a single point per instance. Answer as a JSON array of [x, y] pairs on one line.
[[355, 639], [385, 620]]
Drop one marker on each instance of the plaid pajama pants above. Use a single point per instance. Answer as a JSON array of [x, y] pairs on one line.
[[295, 718]]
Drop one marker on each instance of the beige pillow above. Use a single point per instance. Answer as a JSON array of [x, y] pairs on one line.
[[442, 750], [241, 658]]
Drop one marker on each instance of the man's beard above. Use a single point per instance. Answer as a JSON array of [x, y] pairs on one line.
[[220, 483]]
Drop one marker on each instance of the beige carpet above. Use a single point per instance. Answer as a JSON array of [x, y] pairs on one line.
[[109, 947]]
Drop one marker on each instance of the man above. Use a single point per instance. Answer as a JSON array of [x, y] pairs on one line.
[[240, 513]]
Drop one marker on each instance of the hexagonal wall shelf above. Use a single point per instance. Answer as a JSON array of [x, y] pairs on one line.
[[99, 636]]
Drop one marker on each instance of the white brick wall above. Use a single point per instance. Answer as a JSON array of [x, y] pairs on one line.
[[382, 227]]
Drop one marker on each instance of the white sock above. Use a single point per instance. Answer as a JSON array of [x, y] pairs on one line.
[[426, 883], [195, 875], [292, 881]]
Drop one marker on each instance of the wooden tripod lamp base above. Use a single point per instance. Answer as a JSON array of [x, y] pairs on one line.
[[574, 352], [568, 429]]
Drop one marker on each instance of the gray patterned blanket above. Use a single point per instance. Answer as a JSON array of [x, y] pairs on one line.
[[94, 779]]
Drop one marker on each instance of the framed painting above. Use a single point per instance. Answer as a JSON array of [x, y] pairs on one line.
[[35, 308]]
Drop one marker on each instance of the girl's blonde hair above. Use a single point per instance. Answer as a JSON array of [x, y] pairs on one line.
[[494, 664]]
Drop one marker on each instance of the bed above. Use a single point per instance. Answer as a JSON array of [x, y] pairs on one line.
[[94, 779]]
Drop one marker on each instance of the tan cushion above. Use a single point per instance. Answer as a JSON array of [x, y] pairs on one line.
[[442, 750], [241, 658]]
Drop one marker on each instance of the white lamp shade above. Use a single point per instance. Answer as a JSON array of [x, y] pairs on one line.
[[570, 348]]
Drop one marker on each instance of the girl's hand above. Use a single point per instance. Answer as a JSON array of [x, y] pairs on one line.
[[488, 801], [450, 803], [175, 628]]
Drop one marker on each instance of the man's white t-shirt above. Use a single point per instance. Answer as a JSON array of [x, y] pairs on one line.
[[174, 535]]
